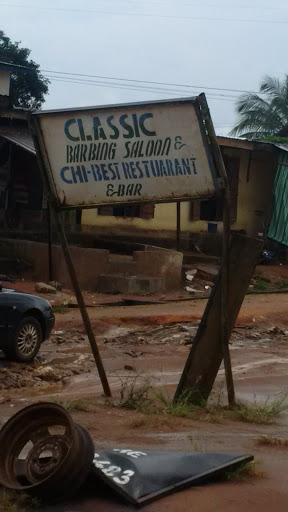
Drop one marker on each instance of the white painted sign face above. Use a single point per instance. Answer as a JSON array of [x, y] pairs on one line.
[[148, 152]]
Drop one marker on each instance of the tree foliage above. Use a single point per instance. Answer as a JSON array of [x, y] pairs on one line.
[[259, 116], [27, 89]]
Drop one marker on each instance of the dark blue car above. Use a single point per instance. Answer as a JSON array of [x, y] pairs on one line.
[[25, 322]]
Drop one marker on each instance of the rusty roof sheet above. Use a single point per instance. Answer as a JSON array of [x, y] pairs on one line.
[[19, 136]]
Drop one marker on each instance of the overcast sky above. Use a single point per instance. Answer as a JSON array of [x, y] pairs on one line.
[[204, 43]]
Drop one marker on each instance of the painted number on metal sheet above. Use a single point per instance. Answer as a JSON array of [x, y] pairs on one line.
[[119, 476]]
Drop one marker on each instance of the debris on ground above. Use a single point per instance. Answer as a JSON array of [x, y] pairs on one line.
[[67, 354], [184, 333], [276, 330], [265, 279], [37, 375], [190, 274], [55, 284], [171, 334], [134, 354], [190, 289], [201, 277], [44, 288], [45, 454], [207, 272]]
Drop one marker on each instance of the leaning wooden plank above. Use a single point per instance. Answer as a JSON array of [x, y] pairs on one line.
[[205, 357]]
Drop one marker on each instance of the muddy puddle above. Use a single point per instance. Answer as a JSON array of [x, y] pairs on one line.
[[65, 365]]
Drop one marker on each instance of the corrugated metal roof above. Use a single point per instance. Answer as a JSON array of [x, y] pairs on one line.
[[19, 136], [8, 66], [256, 143], [233, 138], [284, 147]]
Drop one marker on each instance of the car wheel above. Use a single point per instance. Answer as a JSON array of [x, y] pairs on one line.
[[27, 340]]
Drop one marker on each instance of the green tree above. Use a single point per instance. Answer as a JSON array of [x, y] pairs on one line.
[[259, 117], [27, 89]]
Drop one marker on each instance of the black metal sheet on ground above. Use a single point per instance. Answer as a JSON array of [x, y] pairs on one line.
[[143, 476]]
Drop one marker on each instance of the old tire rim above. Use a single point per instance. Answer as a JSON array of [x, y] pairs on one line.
[[43, 453]]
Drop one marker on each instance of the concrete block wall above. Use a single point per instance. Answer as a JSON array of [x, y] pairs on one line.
[[166, 264], [90, 263]]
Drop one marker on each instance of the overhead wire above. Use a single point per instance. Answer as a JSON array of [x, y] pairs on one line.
[[140, 87], [148, 82], [230, 6], [136, 88], [133, 82], [143, 14]]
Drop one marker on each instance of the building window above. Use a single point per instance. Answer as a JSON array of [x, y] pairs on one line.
[[142, 211], [211, 210], [125, 210]]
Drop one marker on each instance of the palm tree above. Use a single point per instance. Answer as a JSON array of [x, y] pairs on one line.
[[260, 117]]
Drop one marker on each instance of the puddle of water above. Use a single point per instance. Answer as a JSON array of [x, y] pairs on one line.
[[49, 389], [257, 364]]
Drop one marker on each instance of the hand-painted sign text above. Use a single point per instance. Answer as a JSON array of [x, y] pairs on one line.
[[109, 155]]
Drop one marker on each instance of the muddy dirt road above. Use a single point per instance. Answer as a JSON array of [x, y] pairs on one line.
[[135, 347], [266, 309]]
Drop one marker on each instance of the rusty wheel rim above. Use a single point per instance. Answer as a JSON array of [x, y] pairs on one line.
[[44, 453], [45, 457]]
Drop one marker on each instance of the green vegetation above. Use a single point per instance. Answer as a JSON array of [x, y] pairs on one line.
[[14, 502], [260, 117], [142, 397], [27, 89], [182, 407], [273, 138], [271, 441], [72, 405], [157, 421], [244, 472], [261, 413], [260, 283], [261, 286], [197, 446], [281, 284], [60, 309], [134, 396]]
